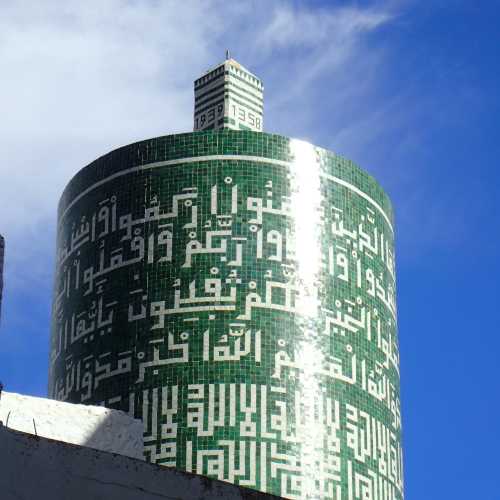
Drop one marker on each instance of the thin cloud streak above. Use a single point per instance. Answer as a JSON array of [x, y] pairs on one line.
[[306, 44]]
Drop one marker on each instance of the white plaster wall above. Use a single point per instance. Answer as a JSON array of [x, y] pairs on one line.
[[34, 468], [92, 426]]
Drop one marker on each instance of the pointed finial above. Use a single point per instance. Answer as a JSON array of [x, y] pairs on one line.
[[228, 56]]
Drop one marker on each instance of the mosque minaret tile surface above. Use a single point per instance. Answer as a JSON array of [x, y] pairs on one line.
[[236, 290]]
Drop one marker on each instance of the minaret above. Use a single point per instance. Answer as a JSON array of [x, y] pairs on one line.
[[236, 291], [228, 96]]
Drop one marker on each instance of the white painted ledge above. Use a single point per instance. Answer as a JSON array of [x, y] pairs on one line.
[[92, 426]]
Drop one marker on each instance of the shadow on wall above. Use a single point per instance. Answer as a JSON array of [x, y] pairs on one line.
[[116, 432], [68, 472]]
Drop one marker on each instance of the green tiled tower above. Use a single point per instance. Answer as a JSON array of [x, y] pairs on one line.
[[235, 290]]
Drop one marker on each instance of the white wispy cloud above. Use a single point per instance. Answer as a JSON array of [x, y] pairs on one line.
[[291, 26]]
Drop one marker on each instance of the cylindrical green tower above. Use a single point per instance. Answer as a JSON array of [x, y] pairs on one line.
[[236, 291]]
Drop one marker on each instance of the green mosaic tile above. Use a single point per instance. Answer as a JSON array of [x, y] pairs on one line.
[[236, 291]]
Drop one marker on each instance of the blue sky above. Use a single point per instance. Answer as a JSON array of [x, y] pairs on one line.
[[408, 90]]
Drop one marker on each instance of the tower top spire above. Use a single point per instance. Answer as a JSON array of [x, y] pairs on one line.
[[228, 96]]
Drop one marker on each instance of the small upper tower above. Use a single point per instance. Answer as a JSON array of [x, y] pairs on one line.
[[228, 96]]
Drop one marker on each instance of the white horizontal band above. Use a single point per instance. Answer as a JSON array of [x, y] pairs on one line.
[[197, 159]]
